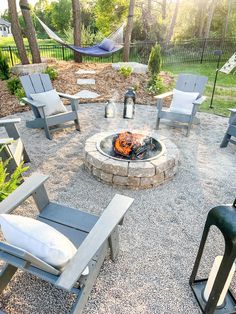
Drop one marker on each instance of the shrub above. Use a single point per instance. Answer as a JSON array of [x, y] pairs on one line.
[[126, 71], [15, 88], [156, 85], [53, 74], [8, 183], [13, 84], [155, 60], [4, 67]]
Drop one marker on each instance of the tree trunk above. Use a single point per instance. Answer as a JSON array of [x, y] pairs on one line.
[[163, 9], [209, 18], [128, 31], [77, 28], [16, 32], [30, 31], [201, 18], [172, 24], [226, 21]]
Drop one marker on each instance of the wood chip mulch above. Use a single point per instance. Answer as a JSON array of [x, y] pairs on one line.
[[110, 84]]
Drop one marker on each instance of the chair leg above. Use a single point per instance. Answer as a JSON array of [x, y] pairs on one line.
[[114, 243], [158, 123], [47, 131], [93, 273], [225, 140], [5, 276], [25, 155]]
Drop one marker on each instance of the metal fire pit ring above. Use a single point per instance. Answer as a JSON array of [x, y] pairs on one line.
[[135, 174]]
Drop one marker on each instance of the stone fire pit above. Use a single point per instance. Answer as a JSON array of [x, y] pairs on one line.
[[136, 174]]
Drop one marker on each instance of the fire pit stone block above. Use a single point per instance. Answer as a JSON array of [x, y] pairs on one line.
[[115, 167], [141, 169]]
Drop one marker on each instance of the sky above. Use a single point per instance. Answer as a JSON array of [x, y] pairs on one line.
[[4, 5]]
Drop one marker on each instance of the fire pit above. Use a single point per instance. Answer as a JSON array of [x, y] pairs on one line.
[[131, 159]]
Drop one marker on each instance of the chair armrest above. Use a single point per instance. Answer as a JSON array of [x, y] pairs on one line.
[[164, 95], [3, 122], [233, 110], [33, 102], [200, 100], [101, 231], [5, 141], [67, 96], [25, 190]]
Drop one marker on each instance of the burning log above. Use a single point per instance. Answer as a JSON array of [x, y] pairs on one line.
[[132, 146]]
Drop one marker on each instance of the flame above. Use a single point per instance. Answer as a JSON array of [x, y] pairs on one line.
[[126, 141]]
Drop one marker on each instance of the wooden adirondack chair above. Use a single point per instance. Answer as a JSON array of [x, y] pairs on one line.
[[39, 83], [92, 235], [13, 145], [231, 130], [185, 83]]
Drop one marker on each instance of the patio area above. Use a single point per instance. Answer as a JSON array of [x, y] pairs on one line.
[[162, 229]]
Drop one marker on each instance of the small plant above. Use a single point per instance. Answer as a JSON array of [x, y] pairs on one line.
[[155, 60], [156, 85], [15, 88], [126, 71], [8, 183], [4, 67], [13, 84], [53, 74]]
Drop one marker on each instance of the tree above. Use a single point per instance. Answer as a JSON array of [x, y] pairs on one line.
[[227, 16], [16, 32], [201, 18], [30, 31], [61, 15], [77, 28], [172, 24], [128, 31], [210, 14]]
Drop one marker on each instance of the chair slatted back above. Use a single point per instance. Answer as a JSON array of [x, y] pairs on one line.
[[13, 251], [36, 83], [191, 83]]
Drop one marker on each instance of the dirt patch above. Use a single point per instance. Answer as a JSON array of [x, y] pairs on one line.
[[109, 85]]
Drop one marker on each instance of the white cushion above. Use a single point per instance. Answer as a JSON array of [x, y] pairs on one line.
[[52, 102], [182, 102], [39, 239]]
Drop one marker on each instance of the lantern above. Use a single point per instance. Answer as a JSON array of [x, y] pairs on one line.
[[212, 294], [129, 104], [110, 109]]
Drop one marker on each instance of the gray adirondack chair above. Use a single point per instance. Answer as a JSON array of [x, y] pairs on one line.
[[39, 83], [92, 235], [12, 147], [231, 130], [185, 83]]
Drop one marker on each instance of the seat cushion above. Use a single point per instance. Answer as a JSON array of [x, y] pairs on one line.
[[37, 238], [107, 44], [52, 102], [182, 102]]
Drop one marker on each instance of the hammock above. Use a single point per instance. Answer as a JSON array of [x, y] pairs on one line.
[[93, 51]]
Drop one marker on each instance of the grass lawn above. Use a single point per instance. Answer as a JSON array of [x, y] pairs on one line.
[[9, 41], [225, 92]]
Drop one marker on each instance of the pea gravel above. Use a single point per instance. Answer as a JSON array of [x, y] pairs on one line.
[[162, 230]]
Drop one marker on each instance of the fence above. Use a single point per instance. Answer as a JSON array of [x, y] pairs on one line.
[[181, 52]]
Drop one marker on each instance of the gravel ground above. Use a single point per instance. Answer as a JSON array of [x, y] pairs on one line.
[[162, 230]]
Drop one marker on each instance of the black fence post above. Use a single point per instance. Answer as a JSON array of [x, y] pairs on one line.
[[203, 49], [63, 52], [11, 57]]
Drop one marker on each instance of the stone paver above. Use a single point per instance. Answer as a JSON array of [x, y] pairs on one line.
[[86, 81], [87, 94], [81, 71]]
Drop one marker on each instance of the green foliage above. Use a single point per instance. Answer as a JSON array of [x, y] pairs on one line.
[[89, 37], [156, 85], [53, 74], [8, 183], [4, 67], [61, 15], [15, 88], [110, 14], [126, 71], [155, 60]]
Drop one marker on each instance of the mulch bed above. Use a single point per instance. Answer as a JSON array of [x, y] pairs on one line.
[[110, 85]]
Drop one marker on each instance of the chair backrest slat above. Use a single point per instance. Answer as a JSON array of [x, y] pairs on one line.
[[36, 83], [191, 83]]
